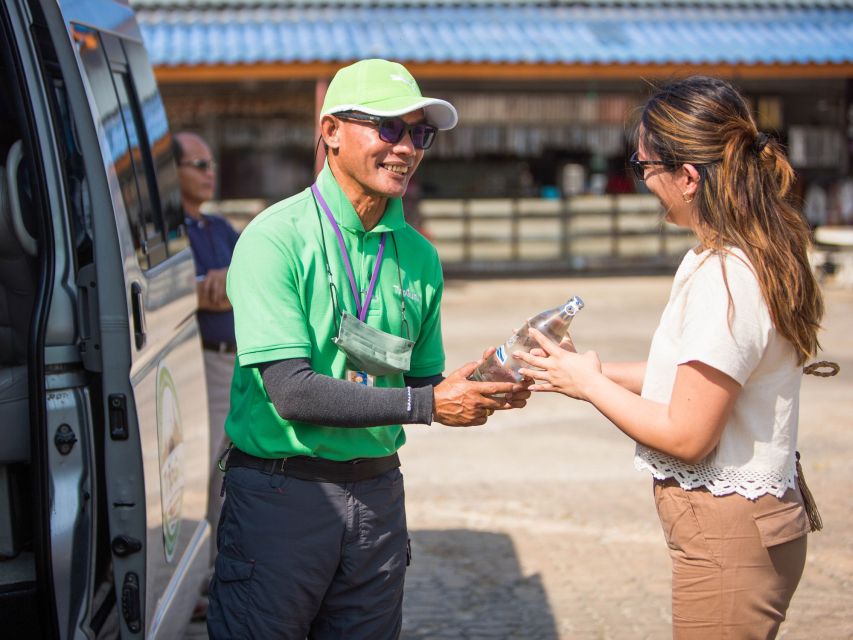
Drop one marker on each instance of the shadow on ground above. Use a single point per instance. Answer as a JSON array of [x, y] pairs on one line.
[[466, 584]]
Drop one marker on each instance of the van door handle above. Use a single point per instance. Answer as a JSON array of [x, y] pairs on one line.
[[13, 162], [138, 314]]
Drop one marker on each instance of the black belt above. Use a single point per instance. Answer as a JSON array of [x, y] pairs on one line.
[[315, 469], [219, 347]]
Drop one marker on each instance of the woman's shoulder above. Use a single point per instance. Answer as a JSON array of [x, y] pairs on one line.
[[728, 274], [729, 264]]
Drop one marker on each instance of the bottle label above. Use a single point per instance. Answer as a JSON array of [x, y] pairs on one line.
[[500, 354]]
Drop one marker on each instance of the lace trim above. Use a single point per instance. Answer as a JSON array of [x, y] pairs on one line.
[[719, 481]]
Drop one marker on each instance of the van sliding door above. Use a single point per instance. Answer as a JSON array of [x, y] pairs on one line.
[[160, 426], [141, 338]]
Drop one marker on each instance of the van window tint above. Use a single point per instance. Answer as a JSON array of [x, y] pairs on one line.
[[153, 249], [156, 126], [146, 174], [78, 188]]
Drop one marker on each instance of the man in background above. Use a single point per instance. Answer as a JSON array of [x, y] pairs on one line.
[[212, 240]]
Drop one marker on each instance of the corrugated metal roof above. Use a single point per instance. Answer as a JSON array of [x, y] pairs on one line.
[[513, 33]]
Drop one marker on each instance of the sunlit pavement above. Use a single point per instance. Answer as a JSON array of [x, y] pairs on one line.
[[538, 526]]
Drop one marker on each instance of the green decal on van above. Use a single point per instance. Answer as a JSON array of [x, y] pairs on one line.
[[171, 438]]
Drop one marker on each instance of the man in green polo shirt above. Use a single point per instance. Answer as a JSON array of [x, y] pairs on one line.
[[337, 314]]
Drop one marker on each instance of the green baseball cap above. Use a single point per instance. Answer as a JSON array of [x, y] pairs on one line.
[[383, 88]]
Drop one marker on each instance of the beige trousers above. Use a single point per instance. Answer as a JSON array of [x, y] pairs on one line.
[[218, 370], [735, 562]]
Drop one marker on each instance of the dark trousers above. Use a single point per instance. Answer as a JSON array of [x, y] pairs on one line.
[[309, 559]]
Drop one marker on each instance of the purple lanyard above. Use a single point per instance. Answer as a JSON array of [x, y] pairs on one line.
[[359, 307]]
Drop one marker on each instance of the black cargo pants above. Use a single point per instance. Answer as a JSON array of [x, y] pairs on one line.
[[309, 559]]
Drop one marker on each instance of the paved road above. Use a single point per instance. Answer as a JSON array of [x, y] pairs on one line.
[[537, 526]]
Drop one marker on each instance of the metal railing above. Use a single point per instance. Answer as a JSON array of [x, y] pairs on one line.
[[600, 234], [608, 233]]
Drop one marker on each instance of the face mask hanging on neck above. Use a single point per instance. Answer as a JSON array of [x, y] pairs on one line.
[[371, 350]]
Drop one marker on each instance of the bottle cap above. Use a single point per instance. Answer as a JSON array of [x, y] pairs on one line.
[[573, 305]]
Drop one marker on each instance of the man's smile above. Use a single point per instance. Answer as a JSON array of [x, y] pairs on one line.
[[399, 169]]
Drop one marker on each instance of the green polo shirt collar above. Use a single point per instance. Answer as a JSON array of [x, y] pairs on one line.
[[345, 215]]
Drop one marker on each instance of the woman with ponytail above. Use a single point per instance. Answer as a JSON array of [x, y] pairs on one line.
[[714, 409]]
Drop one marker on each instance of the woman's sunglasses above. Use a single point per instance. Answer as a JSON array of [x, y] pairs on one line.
[[639, 166], [392, 130]]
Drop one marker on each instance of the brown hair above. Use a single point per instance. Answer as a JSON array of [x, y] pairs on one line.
[[743, 198]]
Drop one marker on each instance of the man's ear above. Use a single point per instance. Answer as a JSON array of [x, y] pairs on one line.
[[691, 177], [330, 128]]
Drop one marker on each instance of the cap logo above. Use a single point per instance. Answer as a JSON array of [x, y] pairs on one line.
[[407, 81]]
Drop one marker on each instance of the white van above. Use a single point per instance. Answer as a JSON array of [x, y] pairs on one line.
[[103, 415]]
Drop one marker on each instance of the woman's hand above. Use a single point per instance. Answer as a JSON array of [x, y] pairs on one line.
[[687, 428], [566, 344], [561, 369]]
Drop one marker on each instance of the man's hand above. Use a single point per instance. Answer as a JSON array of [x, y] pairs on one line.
[[459, 402], [211, 291], [517, 399]]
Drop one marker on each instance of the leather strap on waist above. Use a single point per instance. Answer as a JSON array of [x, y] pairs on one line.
[[315, 469], [219, 347]]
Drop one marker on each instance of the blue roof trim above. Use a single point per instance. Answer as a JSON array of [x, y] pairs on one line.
[[499, 34], [198, 4]]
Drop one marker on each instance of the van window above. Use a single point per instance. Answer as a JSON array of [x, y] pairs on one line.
[[78, 189], [160, 151], [152, 240], [147, 175]]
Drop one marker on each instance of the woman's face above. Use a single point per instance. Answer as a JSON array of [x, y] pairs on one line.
[[669, 185]]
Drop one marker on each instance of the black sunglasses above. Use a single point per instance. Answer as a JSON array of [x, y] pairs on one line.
[[392, 130], [200, 163], [639, 166]]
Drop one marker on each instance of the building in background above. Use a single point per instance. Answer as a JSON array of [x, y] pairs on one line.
[[535, 173]]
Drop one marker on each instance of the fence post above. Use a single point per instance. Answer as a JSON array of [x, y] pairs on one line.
[[466, 230], [514, 224], [614, 228]]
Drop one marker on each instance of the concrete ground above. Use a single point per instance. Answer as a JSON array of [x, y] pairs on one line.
[[538, 526]]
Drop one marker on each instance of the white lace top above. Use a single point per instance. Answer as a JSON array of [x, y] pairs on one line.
[[756, 451]]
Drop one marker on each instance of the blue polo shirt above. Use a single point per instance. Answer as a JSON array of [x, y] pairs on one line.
[[212, 240]]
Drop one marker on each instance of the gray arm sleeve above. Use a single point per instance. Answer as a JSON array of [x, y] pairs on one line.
[[301, 394]]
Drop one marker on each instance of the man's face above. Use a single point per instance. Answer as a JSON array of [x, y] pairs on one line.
[[197, 183], [376, 167]]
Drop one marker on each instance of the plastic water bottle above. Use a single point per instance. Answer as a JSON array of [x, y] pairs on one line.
[[554, 323]]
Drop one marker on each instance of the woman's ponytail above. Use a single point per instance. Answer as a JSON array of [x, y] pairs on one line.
[[743, 197]]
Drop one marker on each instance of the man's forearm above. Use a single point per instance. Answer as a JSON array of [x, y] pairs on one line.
[[301, 394]]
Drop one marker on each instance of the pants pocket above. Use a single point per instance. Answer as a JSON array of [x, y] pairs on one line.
[[230, 598], [782, 524], [681, 527]]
